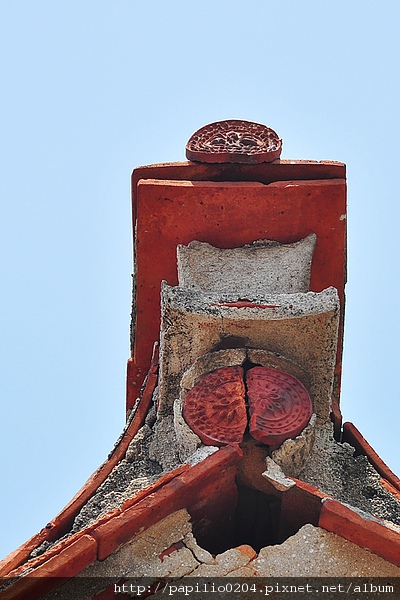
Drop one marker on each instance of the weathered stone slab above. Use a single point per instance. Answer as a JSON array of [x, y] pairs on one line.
[[292, 455], [263, 267]]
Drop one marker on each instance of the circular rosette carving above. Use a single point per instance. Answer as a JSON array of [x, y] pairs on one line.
[[279, 405], [215, 407], [234, 141]]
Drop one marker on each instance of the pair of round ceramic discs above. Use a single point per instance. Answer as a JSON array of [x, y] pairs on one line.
[[221, 405]]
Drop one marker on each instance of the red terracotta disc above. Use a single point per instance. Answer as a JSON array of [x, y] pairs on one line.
[[234, 141], [279, 405], [215, 407]]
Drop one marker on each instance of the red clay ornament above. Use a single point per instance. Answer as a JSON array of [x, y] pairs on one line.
[[215, 407], [279, 405]]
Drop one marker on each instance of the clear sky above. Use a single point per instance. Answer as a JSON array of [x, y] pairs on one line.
[[92, 88]]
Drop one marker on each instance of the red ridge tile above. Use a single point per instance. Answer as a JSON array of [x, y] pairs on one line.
[[369, 533], [191, 490], [352, 435], [54, 572], [63, 521]]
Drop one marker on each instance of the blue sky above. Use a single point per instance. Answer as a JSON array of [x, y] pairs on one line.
[[91, 89]]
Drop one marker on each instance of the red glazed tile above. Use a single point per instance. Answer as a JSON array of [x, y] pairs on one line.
[[215, 407], [279, 405], [366, 532], [15, 558], [54, 572]]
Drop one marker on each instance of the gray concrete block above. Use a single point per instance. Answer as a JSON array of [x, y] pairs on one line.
[[263, 267]]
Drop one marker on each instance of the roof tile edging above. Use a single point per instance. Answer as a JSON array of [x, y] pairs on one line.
[[63, 521], [60, 546], [353, 436], [71, 561], [159, 504], [365, 531]]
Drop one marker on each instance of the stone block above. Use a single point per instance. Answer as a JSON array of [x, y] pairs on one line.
[[186, 440], [263, 267], [301, 327], [225, 563], [276, 476]]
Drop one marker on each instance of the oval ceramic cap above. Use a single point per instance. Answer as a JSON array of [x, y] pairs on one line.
[[234, 141]]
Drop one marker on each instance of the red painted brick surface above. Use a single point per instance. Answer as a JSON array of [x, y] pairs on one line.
[[227, 214], [215, 407], [366, 532], [279, 405], [301, 504]]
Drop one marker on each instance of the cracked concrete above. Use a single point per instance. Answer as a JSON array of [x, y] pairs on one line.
[[169, 549]]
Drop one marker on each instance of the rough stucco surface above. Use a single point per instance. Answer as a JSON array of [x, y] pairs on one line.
[[311, 552], [314, 552], [333, 468], [263, 267], [301, 327]]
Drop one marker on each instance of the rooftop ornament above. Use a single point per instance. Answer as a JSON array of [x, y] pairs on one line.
[[234, 141]]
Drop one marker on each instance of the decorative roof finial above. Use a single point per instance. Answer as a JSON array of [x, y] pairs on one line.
[[234, 141]]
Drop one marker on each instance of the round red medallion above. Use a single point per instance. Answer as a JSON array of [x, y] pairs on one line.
[[215, 407], [279, 405]]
